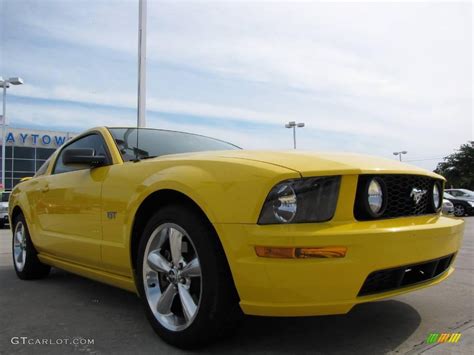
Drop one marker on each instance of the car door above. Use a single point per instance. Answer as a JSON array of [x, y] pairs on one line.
[[68, 210]]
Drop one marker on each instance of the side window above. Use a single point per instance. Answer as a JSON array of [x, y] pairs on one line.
[[93, 141], [43, 168]]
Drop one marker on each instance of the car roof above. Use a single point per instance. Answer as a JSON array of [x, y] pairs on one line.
[[463, 190]]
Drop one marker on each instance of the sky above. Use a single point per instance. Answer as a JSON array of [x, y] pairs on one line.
[[366, 77]]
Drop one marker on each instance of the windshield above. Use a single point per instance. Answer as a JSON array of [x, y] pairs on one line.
[[157, 142], [5, 196], [466, 193]]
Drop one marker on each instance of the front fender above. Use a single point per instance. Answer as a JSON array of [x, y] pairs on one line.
[[227, 192], [19, 200]]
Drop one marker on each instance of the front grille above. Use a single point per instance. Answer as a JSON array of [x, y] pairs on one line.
[[391, 279], [400, 201]]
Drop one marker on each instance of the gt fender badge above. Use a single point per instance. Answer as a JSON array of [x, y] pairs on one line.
[[111, 214]]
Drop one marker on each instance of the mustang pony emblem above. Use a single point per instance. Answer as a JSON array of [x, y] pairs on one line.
[[417, 195]]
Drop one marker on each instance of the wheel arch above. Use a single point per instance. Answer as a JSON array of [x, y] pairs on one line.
[[15, 213], [150, 205]]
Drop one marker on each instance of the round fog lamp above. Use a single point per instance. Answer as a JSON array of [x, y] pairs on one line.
[[375, 197], [285, 204], [436, 197]]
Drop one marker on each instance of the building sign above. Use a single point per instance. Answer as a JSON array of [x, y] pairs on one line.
[[36, 138]]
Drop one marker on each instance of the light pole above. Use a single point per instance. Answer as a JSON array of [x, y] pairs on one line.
[[141, 114], [5, 84], [400, 154], [293, 124]]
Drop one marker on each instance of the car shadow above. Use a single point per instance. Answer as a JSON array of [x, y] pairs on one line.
[[68, 305], [370, 328]]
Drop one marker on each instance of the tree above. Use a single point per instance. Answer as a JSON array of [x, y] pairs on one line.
[[458, 168]]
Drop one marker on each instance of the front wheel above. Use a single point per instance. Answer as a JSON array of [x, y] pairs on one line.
[[459, 210], [184, 280], [25, 260]]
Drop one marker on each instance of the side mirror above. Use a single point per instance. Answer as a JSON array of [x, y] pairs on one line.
[[83, 156]]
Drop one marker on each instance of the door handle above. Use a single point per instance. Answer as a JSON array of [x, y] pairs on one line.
[[45, 188]]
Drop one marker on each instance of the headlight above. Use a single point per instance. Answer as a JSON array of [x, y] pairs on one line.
[[371, 200], [436, 196], [284, 205], [447, 203], [375, 196], [301, 200]]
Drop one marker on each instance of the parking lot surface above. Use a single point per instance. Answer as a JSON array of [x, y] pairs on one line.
[[68, 308]]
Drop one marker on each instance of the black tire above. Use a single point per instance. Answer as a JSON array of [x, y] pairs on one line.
[[459, 210], [32, 268], [218, 310]]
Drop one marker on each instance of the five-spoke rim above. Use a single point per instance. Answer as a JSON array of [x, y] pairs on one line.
[[172, 276], [459, 210], [19, 246]]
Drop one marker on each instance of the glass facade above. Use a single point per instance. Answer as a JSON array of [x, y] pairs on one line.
[[21, 162], [26, 150]]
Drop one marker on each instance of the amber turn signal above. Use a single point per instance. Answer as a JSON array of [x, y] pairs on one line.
[[301, 253]]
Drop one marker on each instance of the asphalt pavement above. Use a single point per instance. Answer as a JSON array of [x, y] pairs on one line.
[[65, 313]]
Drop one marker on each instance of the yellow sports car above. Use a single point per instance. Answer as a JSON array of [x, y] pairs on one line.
[[204, 231]]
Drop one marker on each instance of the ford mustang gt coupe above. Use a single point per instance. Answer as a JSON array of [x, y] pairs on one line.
[[204, 231]]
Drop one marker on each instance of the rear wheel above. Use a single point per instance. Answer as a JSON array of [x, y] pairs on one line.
[[25, 259], [459, 210], [184, 280]]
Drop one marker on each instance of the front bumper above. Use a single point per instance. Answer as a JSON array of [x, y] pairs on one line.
[[303, 287], [4, 218]]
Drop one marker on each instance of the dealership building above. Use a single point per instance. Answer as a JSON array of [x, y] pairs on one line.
[[27, 149]]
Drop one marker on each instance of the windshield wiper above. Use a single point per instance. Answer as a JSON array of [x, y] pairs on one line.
[[146, 157]]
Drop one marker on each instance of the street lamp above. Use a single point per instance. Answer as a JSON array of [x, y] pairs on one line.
[[400, 154], [293, 124], [141, 105], [5, 84]]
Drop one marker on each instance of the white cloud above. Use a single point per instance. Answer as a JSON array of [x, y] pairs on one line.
[[331, 124], [394, 73]]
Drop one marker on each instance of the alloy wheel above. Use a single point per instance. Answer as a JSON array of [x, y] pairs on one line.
[[459, 211], [172, 277], [19, 246]]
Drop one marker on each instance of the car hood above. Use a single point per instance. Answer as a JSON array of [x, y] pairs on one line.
[[314, 163]]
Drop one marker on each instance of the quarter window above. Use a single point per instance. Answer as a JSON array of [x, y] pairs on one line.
[[93, 141], [42, 170]]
